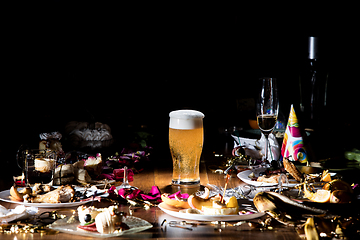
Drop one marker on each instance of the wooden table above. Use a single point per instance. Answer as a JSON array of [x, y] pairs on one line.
[[161, 176]]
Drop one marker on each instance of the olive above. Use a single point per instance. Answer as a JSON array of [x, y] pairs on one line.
[[87, 218], [262, 173]]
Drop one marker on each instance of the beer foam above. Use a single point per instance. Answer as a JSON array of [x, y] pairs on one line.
[[186, 119]]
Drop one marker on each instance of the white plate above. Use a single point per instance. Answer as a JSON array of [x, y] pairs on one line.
[[101, 183], [244, 176], [4, 196], [172, 211], [135, 224]]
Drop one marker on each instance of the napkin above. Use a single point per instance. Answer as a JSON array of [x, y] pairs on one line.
[[252, 146], [293, 144]]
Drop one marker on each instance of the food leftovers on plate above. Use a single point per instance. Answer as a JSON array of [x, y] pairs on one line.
[[269, 176], [102, 220], [273, 176], [334, 191], [79, 172], [41, 193], [203, 204]]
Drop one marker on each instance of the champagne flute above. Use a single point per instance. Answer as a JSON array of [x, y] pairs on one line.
[[267, 109]]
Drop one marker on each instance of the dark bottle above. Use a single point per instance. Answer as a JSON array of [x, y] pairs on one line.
[[313, 83]]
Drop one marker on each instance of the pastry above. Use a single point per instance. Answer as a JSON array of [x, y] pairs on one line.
[[44, 165], [63, 174], [214, 205], [102, 220], [94, 165], [84, 211], [82, 176], [66, 174]]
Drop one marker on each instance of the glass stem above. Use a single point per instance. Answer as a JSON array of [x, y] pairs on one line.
[[125, 176], [266, 146]]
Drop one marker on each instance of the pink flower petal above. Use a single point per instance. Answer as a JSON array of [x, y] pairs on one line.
[[179, 195], [122, 192], [111, 190], [119, 174], [149, 197], [154, 190], [154, 194], [134, 194]]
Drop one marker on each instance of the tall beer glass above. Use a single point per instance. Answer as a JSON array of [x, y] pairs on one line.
[[186, 138]]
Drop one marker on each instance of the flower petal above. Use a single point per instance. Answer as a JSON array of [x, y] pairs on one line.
[[134, 194], [155, 190], [122, 192], [179, 195], [108, 176], [149, 197], [154, 194]]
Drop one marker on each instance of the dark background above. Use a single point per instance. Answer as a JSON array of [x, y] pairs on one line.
[[128, 66]]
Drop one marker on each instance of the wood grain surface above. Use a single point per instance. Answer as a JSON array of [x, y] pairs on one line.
[[160, 175]]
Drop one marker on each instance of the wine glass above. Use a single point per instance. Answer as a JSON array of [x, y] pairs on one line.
[[267, 109], [125, 183]]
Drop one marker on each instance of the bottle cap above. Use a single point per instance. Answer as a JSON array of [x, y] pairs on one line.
[[313, 47]]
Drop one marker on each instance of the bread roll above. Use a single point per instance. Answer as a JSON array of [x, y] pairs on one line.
[[82, 176], [44, 165], [63, 174]]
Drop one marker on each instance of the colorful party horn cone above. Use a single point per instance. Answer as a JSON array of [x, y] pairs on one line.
[[293, 144]]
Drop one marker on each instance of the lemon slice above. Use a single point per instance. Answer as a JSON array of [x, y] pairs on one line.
[[326, 177], [321, 196], [232, 203]]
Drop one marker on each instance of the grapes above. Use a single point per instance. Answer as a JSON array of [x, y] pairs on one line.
[[87, 218]]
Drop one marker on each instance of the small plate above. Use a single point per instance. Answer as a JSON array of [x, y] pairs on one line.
[[68, 225], [172, 211]]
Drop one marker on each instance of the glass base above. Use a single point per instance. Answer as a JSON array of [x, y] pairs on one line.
[[185, 183]]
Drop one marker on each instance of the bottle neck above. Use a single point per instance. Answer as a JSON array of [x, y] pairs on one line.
[[313, 63]]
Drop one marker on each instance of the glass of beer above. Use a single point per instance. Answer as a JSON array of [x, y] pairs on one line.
[[186, 138]]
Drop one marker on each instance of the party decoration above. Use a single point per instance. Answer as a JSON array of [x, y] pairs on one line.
[[293, 144]]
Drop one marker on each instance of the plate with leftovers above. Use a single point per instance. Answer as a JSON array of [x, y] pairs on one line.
[[260, 177], [183, 213], [44, 196], [100, 222]]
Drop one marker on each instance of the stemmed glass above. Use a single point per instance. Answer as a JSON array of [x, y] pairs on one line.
[[267, 109], [125, 183]]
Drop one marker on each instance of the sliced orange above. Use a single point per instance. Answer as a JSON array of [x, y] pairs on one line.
[[326, 178], [15, 195], [321, 196]]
